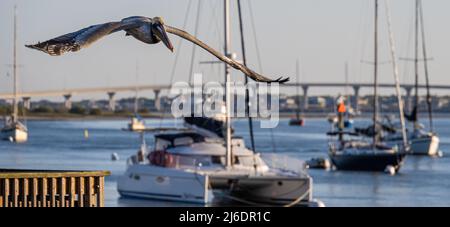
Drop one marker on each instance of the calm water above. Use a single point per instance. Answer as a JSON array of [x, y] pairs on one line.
[[422, 181]]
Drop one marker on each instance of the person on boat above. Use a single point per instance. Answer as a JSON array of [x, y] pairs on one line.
[[341, 112]]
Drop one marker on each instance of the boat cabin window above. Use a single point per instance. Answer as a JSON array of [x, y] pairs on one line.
[[161, 144], [185, 160], [217, 160], [183, 141], [220, 160]]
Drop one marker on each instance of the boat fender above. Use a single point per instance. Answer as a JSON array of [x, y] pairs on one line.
[[168, 160]]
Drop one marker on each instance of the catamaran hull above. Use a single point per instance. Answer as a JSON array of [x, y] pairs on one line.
[[367, 162], [266, 190], [16, 135], [152, 182]]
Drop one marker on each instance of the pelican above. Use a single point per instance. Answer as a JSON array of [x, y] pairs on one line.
[[147, 30]]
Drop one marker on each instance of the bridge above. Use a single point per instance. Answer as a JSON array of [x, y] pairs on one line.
[[111, 91]]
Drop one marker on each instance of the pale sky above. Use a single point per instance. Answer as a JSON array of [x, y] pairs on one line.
[[323, 34]]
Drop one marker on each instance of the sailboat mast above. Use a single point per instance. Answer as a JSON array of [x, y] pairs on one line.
[[346, 85], [136, 89], [427, 79], [416, 62], [227, 83], [396, 77], [15, 101], [297, 71], [244, 59], [375, 83]]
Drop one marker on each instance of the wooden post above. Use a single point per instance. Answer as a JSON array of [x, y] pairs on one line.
[[81, 191], [101, 188], [62, 191], [90, 191], [53, 192], [72, 192], [5, 191], [25, 192], [16, 192], [34, 192], [1, 192], [44, 192]]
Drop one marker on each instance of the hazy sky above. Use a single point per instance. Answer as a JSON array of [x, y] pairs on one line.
[[323, 34]]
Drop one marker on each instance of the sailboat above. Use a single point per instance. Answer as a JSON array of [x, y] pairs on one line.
[[193, 167], [298, 120], [421, 142], [14, 130], [136, 123], [359, 154]]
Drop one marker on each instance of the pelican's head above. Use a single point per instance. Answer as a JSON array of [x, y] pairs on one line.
[[160, 32]]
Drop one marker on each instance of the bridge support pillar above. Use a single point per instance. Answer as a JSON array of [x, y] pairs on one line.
[[68, 101], [26, 102], [112, 101], [356, 98], [305, 97], [157, 100], [408, 101]]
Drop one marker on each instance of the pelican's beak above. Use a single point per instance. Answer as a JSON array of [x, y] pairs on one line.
[[161, 33]]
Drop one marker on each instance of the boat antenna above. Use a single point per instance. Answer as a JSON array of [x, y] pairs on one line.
[[425, 62], [396, 76], [244, 59]]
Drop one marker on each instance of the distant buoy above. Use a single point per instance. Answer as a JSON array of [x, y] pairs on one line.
[[440, 154], [11, 139], [390, 169], [114, 156], [86, 134]]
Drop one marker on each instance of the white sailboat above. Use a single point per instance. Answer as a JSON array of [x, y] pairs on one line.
[[194, 167], [422, 142], [136, 122], [14, 130]]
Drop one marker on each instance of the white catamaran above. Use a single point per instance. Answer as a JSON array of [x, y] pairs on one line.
[[199, 168]]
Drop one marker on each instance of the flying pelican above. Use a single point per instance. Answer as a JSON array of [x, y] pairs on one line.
[[147, 30]]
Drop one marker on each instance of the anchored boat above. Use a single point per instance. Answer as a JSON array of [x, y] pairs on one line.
[[190, 167], [14, 130]]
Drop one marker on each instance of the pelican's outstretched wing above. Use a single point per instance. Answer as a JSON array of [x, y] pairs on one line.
[[250, 73], [80, 39]]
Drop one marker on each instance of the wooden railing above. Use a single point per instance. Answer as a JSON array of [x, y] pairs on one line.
[[50, 188]]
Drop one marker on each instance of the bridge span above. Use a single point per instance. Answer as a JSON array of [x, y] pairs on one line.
[[111, 91]]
